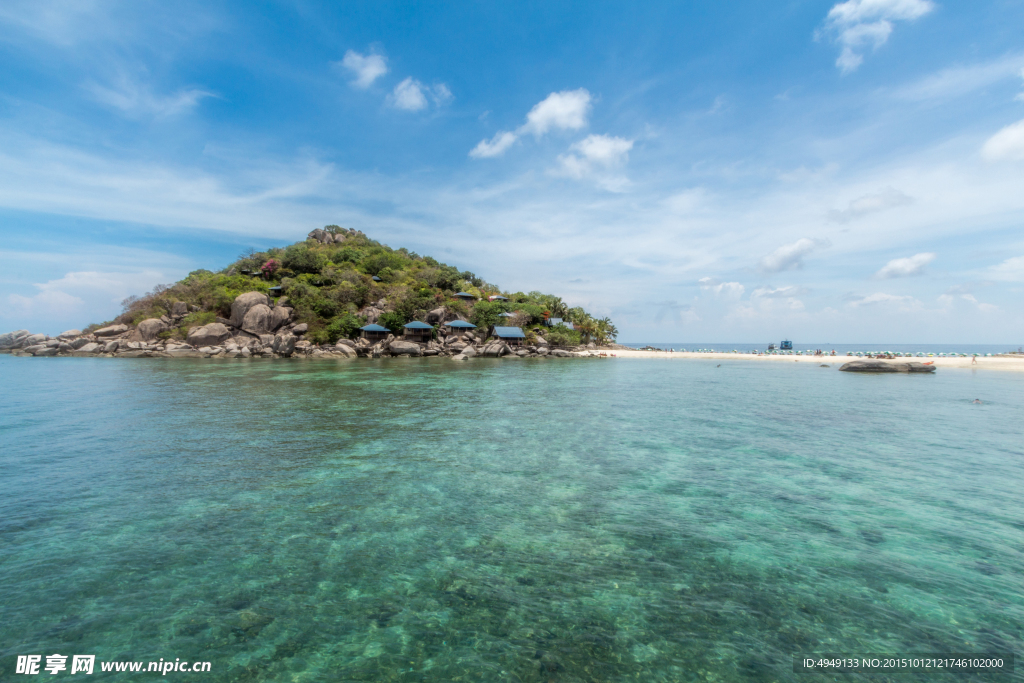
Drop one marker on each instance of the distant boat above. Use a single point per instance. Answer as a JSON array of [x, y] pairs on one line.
[[786, 345]]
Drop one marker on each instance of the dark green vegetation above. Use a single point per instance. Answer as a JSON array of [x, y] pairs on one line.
[[331, 286]]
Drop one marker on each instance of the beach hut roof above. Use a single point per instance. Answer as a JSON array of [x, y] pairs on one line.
[[498, 298], [554, 321], [376, 278], [460, 323], [417, 325], [465, 295], [374, 328], [275, 289], [506, 315], [509, 332]]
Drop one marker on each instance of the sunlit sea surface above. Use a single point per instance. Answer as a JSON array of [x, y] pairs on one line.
[[505, 520]]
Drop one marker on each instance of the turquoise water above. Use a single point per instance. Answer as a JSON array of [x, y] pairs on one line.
[[558, 520]]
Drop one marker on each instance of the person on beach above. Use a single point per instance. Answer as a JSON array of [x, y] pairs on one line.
[[977, 400], [974, 360]]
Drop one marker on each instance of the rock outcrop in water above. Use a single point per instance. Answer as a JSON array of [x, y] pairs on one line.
[[312, 298], [879, 366], [228, 340]]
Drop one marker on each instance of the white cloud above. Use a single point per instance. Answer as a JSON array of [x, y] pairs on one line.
[[729, 289], [496, 146], [365, 68], [862, 24], [441, 94], [905, 267], [961, 80], [778, 293], [566, 110], [408, 95], [1007, 144], [883, 299], [64, 297], [886, 199], [948, 300], [594, 153], [1010, 270], [789, 256], [134, 98], [411, 95]]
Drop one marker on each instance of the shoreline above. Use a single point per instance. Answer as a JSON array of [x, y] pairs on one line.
[[1003, 363], [992, 363]]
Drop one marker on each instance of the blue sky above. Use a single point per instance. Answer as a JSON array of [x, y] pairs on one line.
[[743, 171]]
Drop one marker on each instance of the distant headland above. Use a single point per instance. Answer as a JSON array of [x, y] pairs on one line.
[[338, 293]]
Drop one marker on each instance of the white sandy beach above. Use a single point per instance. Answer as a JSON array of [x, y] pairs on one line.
[[1007, 363]]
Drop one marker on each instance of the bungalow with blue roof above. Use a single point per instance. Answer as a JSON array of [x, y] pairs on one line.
[[418, 332], [465, 296], [513, 336], [459, 327], [374, 332]]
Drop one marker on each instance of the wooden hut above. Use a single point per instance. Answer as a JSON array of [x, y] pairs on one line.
[[512, 336], [459, 327], [497, 297], [465, 296], [418, 332], [374, 333]]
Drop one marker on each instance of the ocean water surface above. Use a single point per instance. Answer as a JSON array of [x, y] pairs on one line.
[[505, 520]]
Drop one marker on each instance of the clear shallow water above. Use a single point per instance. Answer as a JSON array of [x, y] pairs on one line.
[[420, 520]]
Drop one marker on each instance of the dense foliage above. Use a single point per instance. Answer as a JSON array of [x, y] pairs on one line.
[[333, 286]]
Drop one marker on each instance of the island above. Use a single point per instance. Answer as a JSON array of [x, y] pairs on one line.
[[338, 293]]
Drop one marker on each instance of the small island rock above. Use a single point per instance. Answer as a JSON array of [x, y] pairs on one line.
[[878, 366]]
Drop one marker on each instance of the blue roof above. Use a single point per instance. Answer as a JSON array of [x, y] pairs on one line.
[[506, 315], [376, 279], [499, 298], [417, 325], [554, 321], [465, 294], [509, 332], [374, 328], [460, 323]]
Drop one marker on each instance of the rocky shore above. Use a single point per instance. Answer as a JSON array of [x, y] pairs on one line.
[[256, 329]]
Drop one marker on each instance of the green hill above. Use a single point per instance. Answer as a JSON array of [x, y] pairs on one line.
[[337, 279]]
